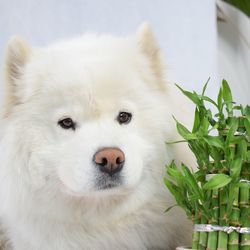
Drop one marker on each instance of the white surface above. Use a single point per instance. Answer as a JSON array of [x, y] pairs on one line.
[[234, 52], [186, 29]]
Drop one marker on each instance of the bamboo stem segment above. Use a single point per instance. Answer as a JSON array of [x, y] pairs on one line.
[[234, 238], [223, 221], [213, 236], [245, 213]]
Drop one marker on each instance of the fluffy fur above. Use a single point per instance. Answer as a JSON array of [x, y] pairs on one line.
[[48, 191]]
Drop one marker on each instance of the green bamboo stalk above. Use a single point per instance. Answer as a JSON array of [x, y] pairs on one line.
[[223, 220], [233, 241], [195, 240], [245, 217], [224, 169], [196, 235], [203, 235], [241, 124], [231, 152], [213, 236]]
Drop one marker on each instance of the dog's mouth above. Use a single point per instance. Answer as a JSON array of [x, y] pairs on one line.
[[108, 186], [108, 182]]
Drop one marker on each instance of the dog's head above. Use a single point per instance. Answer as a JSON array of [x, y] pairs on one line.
[[88, 115]]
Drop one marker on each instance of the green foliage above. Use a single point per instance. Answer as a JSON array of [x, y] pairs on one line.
[[217, 181], [220, 142]]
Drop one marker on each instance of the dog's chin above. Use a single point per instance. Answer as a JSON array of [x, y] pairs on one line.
[[102, 189], [108, 183], [107, 186]]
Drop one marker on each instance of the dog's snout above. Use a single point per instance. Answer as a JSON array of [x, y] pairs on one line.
[[109, 160]]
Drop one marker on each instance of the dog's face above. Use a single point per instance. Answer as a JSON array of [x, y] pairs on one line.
[[88, 113]]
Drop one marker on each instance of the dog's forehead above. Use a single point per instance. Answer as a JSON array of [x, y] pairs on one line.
[[96, 85], [109, 71], [103, 78], [103, 75]]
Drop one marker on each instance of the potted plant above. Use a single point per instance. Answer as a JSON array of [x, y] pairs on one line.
[[216, 196]]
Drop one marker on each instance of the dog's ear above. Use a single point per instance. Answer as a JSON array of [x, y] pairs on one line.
[[17, 55], [150, 48]]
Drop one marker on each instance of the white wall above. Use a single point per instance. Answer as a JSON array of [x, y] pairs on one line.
[[186, 29], [234, 51]]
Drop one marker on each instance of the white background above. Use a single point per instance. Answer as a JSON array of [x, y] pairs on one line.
[[186, 30], [234, 52]]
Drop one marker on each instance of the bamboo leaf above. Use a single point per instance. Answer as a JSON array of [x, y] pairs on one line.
[[169, 208], [174, 172], [171, 186], [176, 192], [215, 153], [196, 121], [174, 142], [205, 86], [199, 175], [192, 182], [233, 128], [217, 181], [248, 155], [214, 141], [247, 112], [227, 96], [192, 96], [238, 107], [204, 126], [237, 139], [219, 100], [184, 132], [247, 126], [193, 197], [235, 168], [206, 98]]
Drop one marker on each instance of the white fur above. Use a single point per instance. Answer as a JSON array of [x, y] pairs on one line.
[[47, 179]]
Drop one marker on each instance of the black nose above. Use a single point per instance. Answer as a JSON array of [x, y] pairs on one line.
[[109, 160]]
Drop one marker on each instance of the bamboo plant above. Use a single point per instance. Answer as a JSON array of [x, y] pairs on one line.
[[218, 193]]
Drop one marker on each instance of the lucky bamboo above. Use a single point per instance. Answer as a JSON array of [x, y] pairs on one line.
[[220, 193]]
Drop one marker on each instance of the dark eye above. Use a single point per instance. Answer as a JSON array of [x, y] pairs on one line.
[[67, 123], [124, 117]]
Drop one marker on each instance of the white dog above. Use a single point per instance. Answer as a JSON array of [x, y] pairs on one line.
[[83, 146]]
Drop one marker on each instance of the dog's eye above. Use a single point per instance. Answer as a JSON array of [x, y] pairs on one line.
[[67, 123], [124, 117]]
